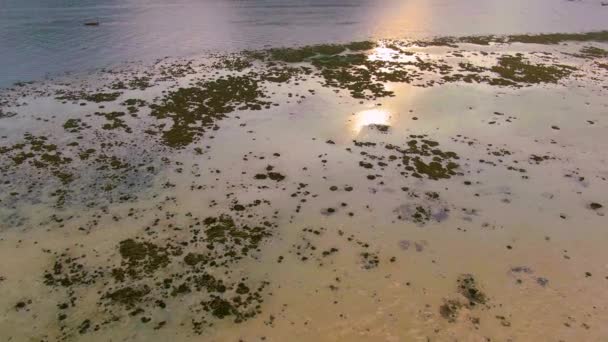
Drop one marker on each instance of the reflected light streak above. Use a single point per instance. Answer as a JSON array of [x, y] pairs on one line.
[[370, 117]]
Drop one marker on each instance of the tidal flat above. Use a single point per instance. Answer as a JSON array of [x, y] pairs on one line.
[[445, 189]]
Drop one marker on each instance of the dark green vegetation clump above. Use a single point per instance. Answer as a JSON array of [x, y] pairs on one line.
[[135, 83], [37, 168], [593, 52], [75, 125], [595, 206], [420, 158], [275, 73], [315, 246], [233, 63], [440, 165], [346, 67], [342, 67], [91, 97], [134, 105], [422, 208], [421, 215], [152, 275], [301, 54], [4, 115], [361, 45], [517, 69], [116, 121], [128, 296], [556, 38], [69, 272], [192, 111], [450, 309], [236, 241], [468, 287], [140, 258], [40, 154], [511, 71], [362, 77], [366, 78], [272, 175], [380, 128], [369, 260], [543, 39]]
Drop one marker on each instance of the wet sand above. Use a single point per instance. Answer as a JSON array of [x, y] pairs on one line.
[[446, 189]]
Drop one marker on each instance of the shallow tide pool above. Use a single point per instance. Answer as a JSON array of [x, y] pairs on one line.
[[400, 190]]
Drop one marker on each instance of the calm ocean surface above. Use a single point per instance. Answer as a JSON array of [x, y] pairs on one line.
[[47, 37]]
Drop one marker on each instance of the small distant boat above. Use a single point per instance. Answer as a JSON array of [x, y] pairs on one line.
[[91, 23]]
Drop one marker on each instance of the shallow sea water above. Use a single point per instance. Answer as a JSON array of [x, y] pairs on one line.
[[405, 188], [347, 222]]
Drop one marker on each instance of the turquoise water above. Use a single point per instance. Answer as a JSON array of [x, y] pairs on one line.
[[47, 37]]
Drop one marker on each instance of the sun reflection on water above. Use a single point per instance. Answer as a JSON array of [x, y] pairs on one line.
[[382, 54], [370, 117]]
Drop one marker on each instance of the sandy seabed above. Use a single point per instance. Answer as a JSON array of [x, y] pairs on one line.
[[449, 189]]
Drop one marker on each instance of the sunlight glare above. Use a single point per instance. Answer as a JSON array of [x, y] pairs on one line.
[[369, 117]]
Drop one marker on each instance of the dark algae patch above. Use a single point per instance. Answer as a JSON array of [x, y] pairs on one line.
[[50, 166], [511, 71], [194, 110], [270, 174], [556, 38], [301, 54], [41, 155], [593, 52], [450, 309], [142, 257], [346, 67], [128, 296], [469, 288], [233, 63], [419, 157], [517, 70], [191, 202], [543, 39], [349, 67], [115, 121], [357, 74], [90, 97], [151, 272], [75, 125], [311, 247], [595, 206]]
